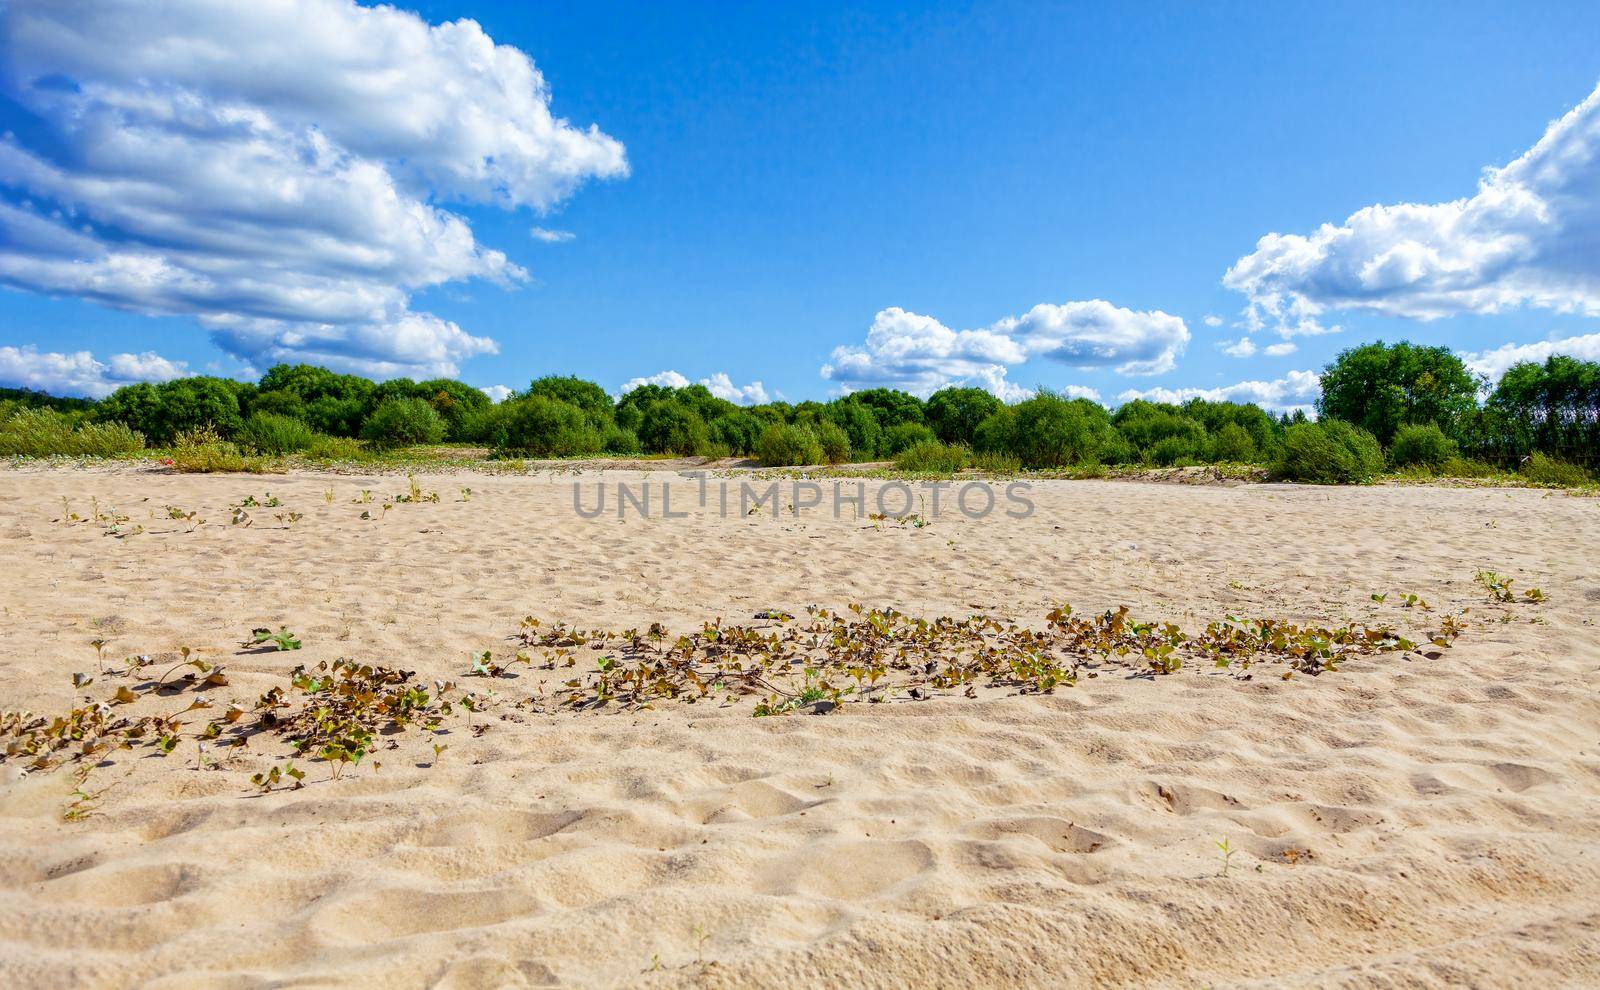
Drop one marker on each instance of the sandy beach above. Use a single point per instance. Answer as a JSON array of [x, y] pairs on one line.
[[1404, 821]]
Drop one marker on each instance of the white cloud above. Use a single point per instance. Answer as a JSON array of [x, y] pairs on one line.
[[1494, 363], [1242, 348], [496, 393], [719, 385], [921, 355], [666, 379], [1212, 320], [79, 373], [275, 170], [745, 395], [549, 236], [1097, 334], [1529, 236], [1295, 391], [1281, 349]]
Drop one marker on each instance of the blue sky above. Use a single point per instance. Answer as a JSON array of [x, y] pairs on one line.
[[1011, 195]]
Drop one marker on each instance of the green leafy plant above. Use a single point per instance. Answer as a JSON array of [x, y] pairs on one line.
[[282, 640], [1227, 856], [1498, 585]]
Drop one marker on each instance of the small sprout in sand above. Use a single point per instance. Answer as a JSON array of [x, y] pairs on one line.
[[414, 492], [1498, 585], [483, 665], [68, 517], [363, 498], [192, 517], [1227, 856], [327, 495], [1380, 598], [1534, 595], [283, 639], [269, 779], [466, 494], [1412, 601], [287, 519], [82, 805], [99, 653], [438, 751]]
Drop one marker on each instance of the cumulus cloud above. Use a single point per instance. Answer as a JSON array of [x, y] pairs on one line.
[[921, 355], [1528, 236], [719, 385], [549, 236], [79, 373], [1212, 320], [1281, 349], [1297, 390], [496, 393], [1242, 348], [1494, 363], [275, 170]]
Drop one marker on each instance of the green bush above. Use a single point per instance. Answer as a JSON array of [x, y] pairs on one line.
[[620, 441], [1544, 470], [45, 433], [835, 442], [671, 427], [202, 451], [992, 462], [1172, 451], [1233, 442], [1328, 452], [402, 423], [904, 436], [1421, 445], [1048, 431], [933, 457], [788, 445], [161, 412], [540, 426], [323, 448], [1462, 467], [270, 433], [955, 413]]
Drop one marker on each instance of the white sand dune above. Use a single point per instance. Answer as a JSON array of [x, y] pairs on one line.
[[1403, 822]]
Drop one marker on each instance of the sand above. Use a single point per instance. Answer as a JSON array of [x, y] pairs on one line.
[[1404, 822]]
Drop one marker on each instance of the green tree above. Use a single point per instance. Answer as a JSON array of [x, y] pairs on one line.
[[1380, 387], [955, 413], [586, 395], [163, 411]]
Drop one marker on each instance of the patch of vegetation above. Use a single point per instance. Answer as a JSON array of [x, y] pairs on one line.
[[203, 451], [932, 457], [873, 656], [784, 445], [46, 433], [1544, 470], [403, 422], [1421, 402], [1328, 452], [271, 433], [1422, 446]]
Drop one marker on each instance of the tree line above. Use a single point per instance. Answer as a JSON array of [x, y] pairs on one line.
[[1383, 406]]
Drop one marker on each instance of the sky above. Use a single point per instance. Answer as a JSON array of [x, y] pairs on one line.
[[794, 200]]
